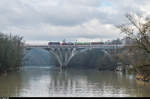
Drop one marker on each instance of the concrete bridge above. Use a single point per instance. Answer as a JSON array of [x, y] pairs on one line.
[[64, 53]]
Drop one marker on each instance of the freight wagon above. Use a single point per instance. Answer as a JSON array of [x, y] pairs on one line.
[[82, 43], [70, 43], [97, 43]]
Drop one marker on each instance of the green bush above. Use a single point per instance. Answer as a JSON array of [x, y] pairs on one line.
[[11, 52]]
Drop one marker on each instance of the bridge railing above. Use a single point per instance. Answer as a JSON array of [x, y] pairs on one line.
[[79, 46]]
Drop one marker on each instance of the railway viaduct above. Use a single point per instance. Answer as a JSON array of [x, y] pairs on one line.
[[64, 53]]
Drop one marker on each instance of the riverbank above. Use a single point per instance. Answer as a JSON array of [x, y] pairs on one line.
[[6, 72], [142, 77]]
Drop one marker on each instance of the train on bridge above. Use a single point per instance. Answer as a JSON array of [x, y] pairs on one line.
[[76, 43]]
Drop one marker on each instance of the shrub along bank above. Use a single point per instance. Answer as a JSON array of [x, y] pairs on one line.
[[11, 52]]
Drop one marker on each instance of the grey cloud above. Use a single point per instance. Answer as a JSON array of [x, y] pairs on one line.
[[65, 12], [26, 13], [28, 17]]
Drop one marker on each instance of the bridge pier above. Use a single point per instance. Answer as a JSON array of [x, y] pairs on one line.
[[63, 55]]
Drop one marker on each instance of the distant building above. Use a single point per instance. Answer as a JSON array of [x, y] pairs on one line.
[[127, 41], [116, 41]]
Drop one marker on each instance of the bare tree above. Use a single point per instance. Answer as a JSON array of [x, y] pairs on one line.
[[138, 30]]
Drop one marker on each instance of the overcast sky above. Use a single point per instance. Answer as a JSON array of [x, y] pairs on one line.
[[54, 20]]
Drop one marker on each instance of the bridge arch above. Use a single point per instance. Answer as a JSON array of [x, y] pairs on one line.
[[64, 55], [38, 57]]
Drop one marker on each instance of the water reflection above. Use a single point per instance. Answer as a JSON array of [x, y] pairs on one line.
[[11, 84], [45, 82]]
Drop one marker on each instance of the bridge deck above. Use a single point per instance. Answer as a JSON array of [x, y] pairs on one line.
[[79, 46]]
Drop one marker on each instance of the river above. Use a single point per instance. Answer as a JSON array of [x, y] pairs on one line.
[[47, 82]]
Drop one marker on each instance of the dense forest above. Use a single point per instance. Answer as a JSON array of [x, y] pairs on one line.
[[11, 52]]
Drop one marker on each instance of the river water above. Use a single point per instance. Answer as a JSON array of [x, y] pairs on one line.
[[47, 82]]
